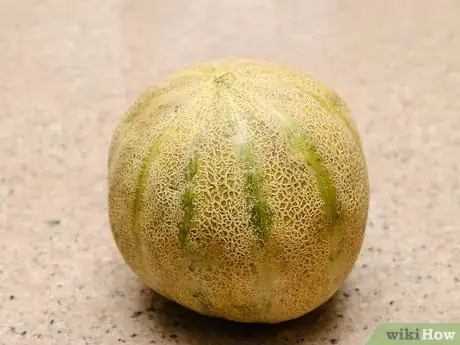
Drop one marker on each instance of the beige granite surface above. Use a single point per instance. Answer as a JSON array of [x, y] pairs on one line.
[[69, 69]]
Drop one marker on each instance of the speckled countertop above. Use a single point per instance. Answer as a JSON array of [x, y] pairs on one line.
[[69, 69]]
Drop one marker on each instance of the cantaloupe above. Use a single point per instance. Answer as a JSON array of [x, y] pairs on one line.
[[239, 189]]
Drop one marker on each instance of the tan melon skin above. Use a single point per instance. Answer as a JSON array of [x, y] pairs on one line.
[[211, 113]]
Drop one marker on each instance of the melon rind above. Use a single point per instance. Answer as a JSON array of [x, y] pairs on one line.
[[239, 189]]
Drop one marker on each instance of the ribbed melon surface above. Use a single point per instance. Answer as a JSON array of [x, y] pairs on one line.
[[239, 189]]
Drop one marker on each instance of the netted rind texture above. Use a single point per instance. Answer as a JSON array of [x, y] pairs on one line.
[[239, 189]]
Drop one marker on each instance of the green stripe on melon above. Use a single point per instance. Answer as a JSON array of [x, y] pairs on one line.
[[260, 214], [188, 200]]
